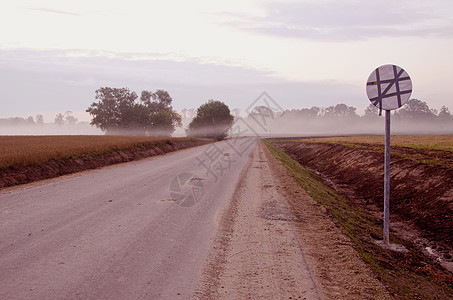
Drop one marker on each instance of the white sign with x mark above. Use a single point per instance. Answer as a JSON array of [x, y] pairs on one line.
[[389, 87]]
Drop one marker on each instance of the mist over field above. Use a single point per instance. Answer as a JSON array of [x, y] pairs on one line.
[[265, 122], [248, 127], [50, 129], [284, 128]]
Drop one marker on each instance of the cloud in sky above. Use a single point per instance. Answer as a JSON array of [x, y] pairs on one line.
[[55, 54], [54, 11], [349, 20], [57, 80]]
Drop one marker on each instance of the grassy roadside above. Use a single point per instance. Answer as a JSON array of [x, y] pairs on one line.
[[406, 275], [35, 150]]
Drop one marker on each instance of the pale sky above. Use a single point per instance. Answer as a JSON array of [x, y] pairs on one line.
[[55, 54]]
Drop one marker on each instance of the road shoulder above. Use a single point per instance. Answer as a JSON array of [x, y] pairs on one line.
[[330, 255], [257, 254]]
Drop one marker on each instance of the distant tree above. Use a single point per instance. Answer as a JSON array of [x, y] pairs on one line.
[[59, 119], [340, 111], [261, 114], [70, 119], [118, 112], [416, 110], [310, 113], [371, 111], [301, 114], [444, 114], [213, 120], [314, 111], [39, 119], [18, 121], [288, 113], [30, 120]]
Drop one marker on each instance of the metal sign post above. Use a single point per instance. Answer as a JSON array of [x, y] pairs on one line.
[[388, 88], [387, 178]]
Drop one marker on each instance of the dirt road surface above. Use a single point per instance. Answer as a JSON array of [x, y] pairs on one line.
[[117, 233], [276, 242], [123, 232]]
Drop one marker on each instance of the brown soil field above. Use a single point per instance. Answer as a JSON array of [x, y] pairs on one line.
[[24, 159], [421, 200]]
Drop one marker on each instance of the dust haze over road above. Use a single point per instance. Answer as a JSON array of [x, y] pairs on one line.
[[116, 233]]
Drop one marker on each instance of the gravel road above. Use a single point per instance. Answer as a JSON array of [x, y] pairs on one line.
[[257, 252], [117, 232], [220, 221], [275, 242]]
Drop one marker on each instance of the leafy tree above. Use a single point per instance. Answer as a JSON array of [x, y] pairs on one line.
[[303, 113], [444, 114], [69, 118], [340, 111], [260, 114], [213, 120], [262, 111], [59, 119], [39, 119], [157, 101], [163, 119], [371, 111], [118, 111], [314, 111], [163, 122], [113, 111], [415, 109], [30, 120]]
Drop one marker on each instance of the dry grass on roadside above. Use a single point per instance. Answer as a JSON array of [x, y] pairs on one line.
[[32, 150], [432, 142]]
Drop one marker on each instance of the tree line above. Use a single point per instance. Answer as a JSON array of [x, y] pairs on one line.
[[414, 110], [122, 111], [60, 119]]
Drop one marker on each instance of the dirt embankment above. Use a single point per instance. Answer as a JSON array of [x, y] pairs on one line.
[[25, 174], [421, 194]]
